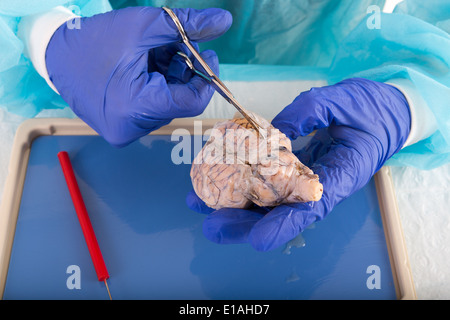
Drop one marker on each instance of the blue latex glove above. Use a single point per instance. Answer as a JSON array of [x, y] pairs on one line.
[[119, 72], [360, 124]]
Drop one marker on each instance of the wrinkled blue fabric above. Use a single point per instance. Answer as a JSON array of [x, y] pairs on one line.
[[360, 124], [331, 34], [22, 90], [126, 79], [268, 32], [435, 12], [409, 48]]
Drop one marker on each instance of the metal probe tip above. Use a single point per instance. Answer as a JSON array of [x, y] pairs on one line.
[[107, 288]]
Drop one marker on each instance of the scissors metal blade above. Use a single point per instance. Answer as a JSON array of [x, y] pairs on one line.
[[224, 92], [218, 85]]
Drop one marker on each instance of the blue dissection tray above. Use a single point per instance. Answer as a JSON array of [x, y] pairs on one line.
[[153, 244]]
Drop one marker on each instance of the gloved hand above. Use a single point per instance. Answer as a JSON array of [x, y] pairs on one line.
[[119, 72], [360, 124]]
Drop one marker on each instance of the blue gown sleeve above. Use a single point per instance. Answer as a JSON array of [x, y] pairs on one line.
[[22, 90], [406, 47]]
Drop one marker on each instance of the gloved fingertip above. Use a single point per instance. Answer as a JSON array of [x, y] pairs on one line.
[[218, 14], [276, 228], [206, 24], [196, 204], [308, 112], [211, 231], [318, 146], [287, 127], [178, 71], [261, 241], [201, 89], [117, 140], [230, 225]]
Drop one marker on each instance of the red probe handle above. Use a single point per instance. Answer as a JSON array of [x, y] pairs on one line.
[[83, 217]]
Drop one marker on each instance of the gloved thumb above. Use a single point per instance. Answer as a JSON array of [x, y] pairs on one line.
[[310, 111], [199, 25]]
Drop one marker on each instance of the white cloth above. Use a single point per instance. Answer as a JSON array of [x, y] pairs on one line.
[[36, 31]]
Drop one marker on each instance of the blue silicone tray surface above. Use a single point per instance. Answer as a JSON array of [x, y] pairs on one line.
[[153, 244]]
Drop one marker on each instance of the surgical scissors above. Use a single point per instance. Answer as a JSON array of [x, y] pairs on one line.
[[218, 85]]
